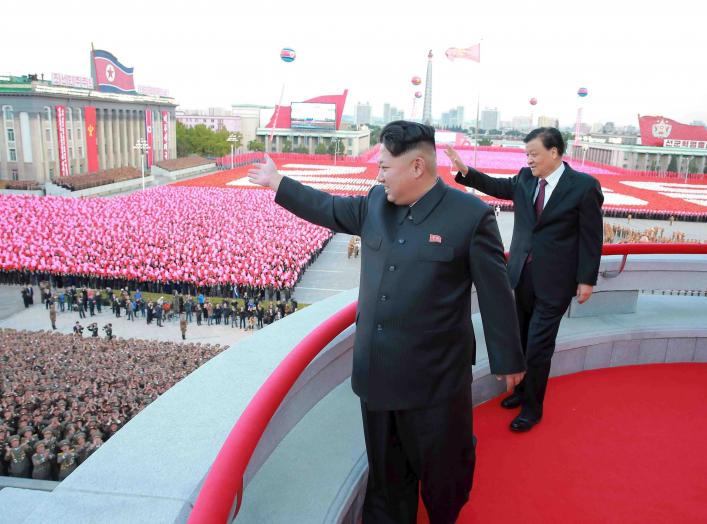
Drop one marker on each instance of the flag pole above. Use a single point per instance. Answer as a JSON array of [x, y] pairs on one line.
[[478, 99], [93, 66]]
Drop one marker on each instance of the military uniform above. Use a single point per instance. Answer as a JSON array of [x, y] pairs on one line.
[[52, 314], [67, 461], [42, 465], [19, 462]]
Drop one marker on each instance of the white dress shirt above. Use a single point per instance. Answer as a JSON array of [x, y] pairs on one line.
[[552, 180]]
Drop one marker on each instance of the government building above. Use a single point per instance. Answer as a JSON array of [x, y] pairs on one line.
[[64, 127]]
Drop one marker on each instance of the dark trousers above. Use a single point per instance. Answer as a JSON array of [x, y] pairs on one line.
[[428, 451], [539, 322]]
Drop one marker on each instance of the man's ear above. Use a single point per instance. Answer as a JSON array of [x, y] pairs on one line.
[[419, 165]]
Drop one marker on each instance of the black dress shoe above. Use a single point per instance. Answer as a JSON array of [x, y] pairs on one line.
[[512, 401], [521, 424]]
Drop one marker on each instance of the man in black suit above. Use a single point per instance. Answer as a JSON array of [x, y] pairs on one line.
[[424, 245], [555, 253]]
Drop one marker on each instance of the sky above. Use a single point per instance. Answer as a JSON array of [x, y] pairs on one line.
[[634, 57]]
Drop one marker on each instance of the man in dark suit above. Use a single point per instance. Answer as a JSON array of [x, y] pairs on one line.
[[424, 245], [555, 253]]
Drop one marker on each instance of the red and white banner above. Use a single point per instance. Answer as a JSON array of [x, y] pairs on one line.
[[62, 142], [655, 130], [148, 137], [165, 135], [91, 139]]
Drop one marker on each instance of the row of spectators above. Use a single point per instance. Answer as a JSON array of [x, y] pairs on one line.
[[109, 176], [183, 163], [250, 312], [62, 396], [620, 234]]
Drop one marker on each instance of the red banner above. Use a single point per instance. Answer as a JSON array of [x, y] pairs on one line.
[[165, 135], [656, 129], [91, 142], [148, 137], [62, 142]]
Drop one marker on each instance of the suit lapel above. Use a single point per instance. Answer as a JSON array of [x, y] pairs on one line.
[[563, 186]]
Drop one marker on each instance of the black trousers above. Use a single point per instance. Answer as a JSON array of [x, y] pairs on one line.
[[428, 451], [539, 321]]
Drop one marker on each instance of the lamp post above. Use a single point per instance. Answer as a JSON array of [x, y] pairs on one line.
[[142, 146], [585, 148], [232, 138], [337, 141]]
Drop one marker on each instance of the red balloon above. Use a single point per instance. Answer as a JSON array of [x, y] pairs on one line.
[[533, 101]]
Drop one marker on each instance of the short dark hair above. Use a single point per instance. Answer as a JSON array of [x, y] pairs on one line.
[[549, 136], [401, 136]]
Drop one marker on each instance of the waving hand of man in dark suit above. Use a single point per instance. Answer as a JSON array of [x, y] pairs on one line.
[[555, 252], [423, 246]]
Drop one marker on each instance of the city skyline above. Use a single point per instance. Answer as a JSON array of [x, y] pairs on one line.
[[633, 62]]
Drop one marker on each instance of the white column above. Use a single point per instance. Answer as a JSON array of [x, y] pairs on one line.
[[127, 147]]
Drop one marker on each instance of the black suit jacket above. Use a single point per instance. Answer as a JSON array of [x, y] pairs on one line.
[[414, 341], [566, 241]]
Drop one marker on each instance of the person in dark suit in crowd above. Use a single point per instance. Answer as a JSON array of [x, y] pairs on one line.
[[412, 356], [554, 256]]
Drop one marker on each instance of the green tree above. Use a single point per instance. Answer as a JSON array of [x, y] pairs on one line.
[[301, 149], [286, 146], [336, 147], [375, 134], [321, 149], [485, 142], [184, 147], [254, 145]]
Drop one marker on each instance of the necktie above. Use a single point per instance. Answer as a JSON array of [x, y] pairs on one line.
[[540, 200]]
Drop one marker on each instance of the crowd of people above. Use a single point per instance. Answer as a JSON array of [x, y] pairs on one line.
[[170, 235], [620, 234], [250, 312], [62, 396]]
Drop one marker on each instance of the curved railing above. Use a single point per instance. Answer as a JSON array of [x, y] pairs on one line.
[[221, 495]]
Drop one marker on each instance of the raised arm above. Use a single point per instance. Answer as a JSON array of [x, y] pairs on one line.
[[342, 214], [470, 177], [496, 304]]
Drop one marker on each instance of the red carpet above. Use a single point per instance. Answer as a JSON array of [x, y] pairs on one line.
[[621, 445]]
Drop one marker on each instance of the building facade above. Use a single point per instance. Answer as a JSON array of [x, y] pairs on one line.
[[49, 131], [641, 158], [213, 122], [490, 119], [363, 114]]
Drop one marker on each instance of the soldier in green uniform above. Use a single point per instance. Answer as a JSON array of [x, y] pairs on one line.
[[81, 447], [17, 455], [183, 325], [66, 459], [42, 462], [52, 313]]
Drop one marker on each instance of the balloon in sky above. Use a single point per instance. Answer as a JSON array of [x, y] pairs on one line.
[[583, 91], [533, 101], [416, 80], [418, 94], [288, 55]]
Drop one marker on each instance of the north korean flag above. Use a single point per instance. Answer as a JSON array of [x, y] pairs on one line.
[[111, 76]]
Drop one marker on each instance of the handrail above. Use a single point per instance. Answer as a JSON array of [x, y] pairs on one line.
[[220, 497], [222, 492], [663, 248]]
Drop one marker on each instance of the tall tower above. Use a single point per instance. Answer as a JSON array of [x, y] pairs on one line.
[[427, 107]]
